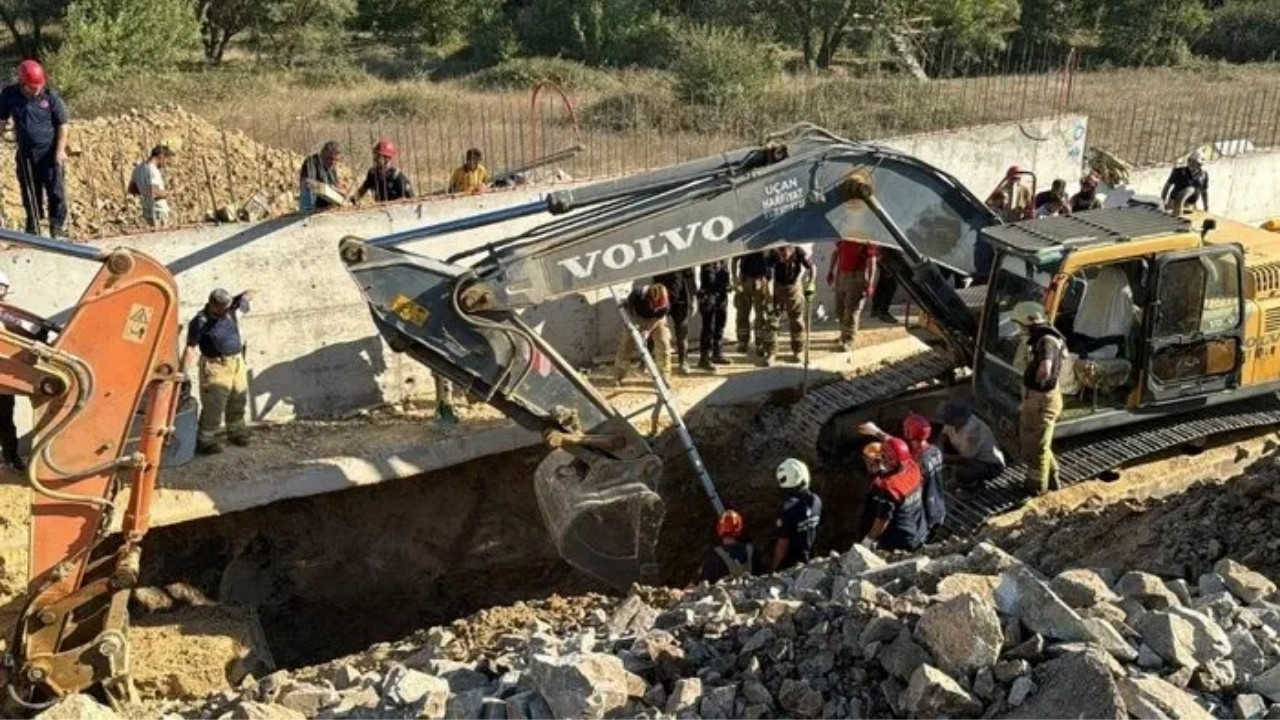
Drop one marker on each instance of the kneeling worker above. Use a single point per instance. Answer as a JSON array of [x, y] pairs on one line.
[[732, 557], [799, 517], [895, 506]]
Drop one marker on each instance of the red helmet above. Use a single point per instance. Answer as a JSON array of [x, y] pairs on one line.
[[385, 148], [916, 427], [31, 73], [730, 525], [896, 450]]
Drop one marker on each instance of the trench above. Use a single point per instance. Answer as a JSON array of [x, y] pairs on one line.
[[332, 574]]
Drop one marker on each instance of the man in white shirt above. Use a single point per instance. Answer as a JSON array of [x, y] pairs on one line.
[[969, 445], [148, 184]]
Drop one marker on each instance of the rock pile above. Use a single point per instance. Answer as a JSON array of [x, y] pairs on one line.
[[104, 152], [962, 635]]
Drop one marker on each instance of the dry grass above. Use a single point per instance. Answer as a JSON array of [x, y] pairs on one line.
[[1146, 116]]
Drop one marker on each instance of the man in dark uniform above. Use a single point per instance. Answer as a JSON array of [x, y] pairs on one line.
[[885, 290], [1186, 185], [40, 118], [895, 517], [799, 517], [682, 287], [713, 304], [224, 376], [1043, 348], [792, 283], [732, 557], [386, 181], [751, 277], [317, 172]]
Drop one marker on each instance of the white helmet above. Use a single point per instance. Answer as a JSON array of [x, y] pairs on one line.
[[793, 474], [1028, 313]]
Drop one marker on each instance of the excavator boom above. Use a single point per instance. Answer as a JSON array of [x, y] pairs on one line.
[[802, 186], [113, 358]]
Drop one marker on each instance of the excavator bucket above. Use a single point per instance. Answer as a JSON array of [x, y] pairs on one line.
[[603, 516]]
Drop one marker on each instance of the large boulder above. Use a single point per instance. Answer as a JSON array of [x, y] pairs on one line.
[[1244, 583], [1184, 637], [1108, 638], [934, 694], [984, 586], [404, 686], [1148, 696], [1022, 595], [1268, 684], [901, 657], [963, 634], [581, 685], [858, 560], [685, 697], [1077, 684], [1082, 588], [1147, 589]]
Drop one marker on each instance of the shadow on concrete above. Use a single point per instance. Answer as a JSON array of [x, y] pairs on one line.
[[336, 378], [250, 234], [560, 323]]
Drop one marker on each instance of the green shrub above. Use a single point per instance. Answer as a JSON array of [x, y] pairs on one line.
[[524, 73], [628, 110], [1152, 32], [722, 67], [106, 39], [597, 32], [1243, 31]]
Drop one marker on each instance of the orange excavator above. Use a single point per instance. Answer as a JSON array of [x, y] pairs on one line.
[[114, 358]]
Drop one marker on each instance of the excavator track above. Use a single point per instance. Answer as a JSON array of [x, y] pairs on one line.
[[1083, 458]]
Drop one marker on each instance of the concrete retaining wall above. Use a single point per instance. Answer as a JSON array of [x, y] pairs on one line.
[[312, 346], [1245, 188]]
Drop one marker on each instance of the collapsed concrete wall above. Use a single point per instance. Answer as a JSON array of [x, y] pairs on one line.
[[311, 345]]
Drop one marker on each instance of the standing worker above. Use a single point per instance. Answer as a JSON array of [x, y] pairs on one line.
[[799, 517], [885, 290], [792, 284], [224, 375], [318, 187], [647, 308], [1186, 185], [471, 176], [713, 305], [149, 185], [1041, 398], [852, 275], [40, 119], [894, 517], [751, 277], [732, 557], [682, 287], [385, 180]]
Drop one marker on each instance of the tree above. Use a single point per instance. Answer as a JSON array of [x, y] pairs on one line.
[[400, 21], [291, 31], [1152, 32], [26, 20], [1243, 31], [105, 38], [598, 32], [222, 20]]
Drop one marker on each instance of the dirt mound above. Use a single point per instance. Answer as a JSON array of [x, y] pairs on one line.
[[212, 168]]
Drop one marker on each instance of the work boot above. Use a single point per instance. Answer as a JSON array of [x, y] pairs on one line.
[[208, 448], [766, 358], [704, 363], [885, 316], [684, 366], [719, 359], [239, 440], [742, 347]]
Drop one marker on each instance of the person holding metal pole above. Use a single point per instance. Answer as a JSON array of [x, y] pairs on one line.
[[40, 122]]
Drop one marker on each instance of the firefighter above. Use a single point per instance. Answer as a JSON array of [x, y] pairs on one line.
[[799, 517], [733, 556], [916, 430], [751, 277], [682, 288], [40, 120], [713, 304], [1044, 349], [385, 180], [792, 285], [647, 307], [895, 518], [224, 376]]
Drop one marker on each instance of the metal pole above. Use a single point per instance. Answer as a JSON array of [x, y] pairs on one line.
[[667, 399], [496, 216], [84, 252]]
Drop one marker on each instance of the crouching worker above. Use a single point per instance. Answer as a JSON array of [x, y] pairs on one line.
[[647, 307], [917, 430], [894, 515], [969, 445], [733, 556]]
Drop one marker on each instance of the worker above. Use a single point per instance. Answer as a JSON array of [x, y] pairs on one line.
[[1053, 201], [682, 288], [852, 275], [798, 520], [148, 183], [969, 446], [318, 179], [224, 376], [647, 308], [894, 512], [733, 556], [916, 430], [793, 275], [1016, 193], [1041, 398], [1087, 198], [998, 203], [885, 290], [752, 275], [472, 176], [713, 305], [1186, 185], [386, 181], [40, 121]]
